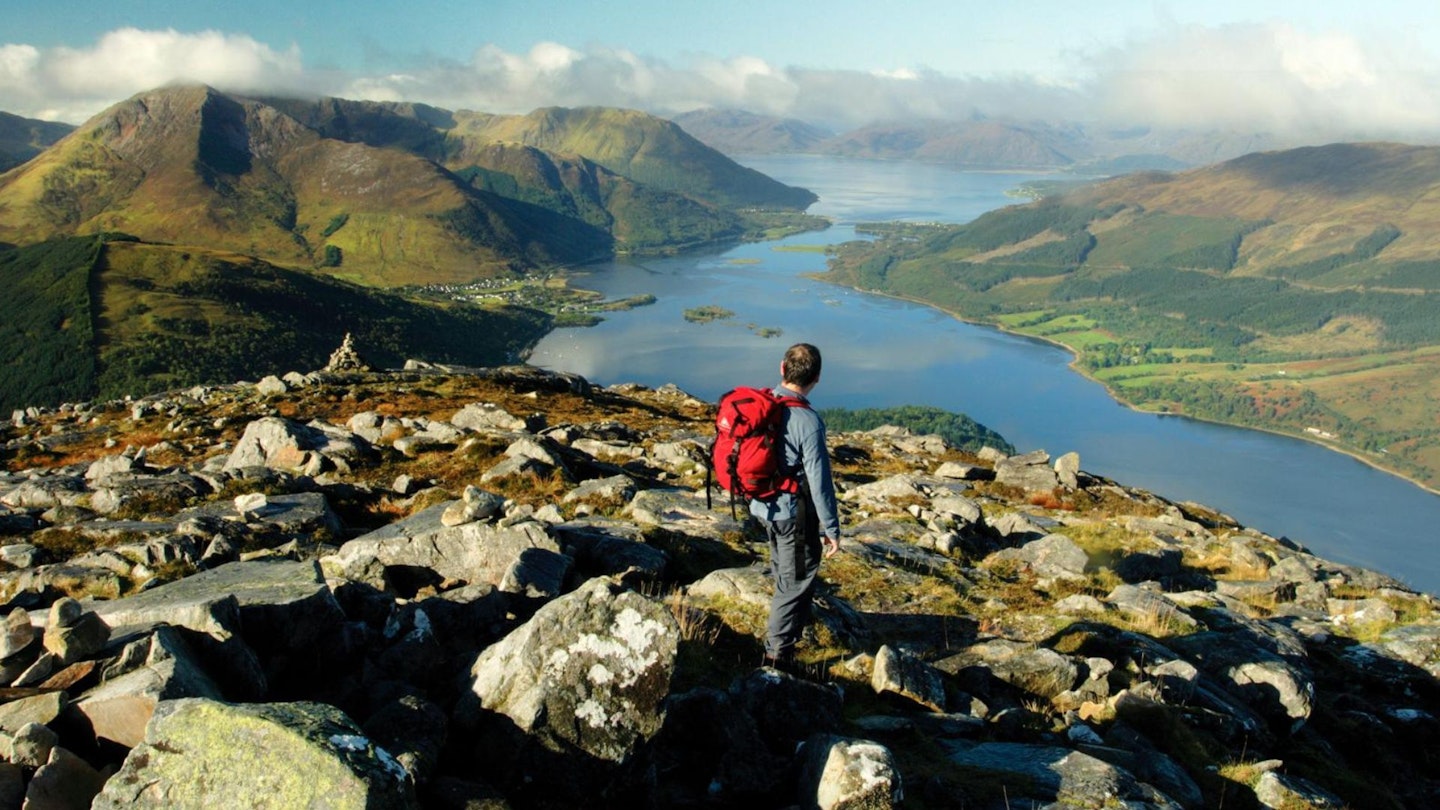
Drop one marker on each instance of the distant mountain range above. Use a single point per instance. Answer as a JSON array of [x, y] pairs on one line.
[[1295, 290], [977, 143]]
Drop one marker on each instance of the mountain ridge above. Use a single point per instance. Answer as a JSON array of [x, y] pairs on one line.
[[191, 165], [979, 143]]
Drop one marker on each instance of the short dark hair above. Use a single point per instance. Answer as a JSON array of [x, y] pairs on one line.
[[802, 364]]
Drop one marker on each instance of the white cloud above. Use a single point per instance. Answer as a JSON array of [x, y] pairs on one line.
[[1255, 77], [1268, 77], [72, 84]]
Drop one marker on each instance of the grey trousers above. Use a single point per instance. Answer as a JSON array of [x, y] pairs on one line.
[[795, 553]]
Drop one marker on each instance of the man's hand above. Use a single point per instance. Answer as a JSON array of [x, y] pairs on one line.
[[830, 545]]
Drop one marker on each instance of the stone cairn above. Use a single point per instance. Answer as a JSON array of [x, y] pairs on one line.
[[346, 358]]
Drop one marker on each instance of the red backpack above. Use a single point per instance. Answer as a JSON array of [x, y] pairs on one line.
[[748, 449]]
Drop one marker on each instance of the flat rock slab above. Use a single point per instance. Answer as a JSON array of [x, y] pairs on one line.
[[285, 603]]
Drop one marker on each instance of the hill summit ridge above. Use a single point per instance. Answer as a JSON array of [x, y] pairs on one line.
[[443, 586]]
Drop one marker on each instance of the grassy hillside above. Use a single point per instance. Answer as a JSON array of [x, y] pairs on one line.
[[90, 318], [649, 150], [380, 194], [24, 138], [1293, 291], [192, 166]]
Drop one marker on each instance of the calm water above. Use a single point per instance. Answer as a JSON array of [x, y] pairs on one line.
[[881, 352]]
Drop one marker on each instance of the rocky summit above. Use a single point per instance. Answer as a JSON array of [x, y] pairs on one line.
[[505, 588]]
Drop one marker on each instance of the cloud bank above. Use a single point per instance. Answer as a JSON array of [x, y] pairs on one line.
[[1270, 78]]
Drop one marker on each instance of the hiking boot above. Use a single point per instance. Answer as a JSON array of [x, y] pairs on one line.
[[785, 662]]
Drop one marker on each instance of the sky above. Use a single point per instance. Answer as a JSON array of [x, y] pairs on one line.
[[1309, 69]]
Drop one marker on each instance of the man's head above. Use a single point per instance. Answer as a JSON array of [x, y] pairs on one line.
[[801, 367]]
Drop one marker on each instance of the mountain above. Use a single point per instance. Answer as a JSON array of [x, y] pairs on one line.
[[638, 216], [97, 316], [24, 138], [645, 148], [385, 194], [980, 143], [969, 144], [737, 132], [190, 165], [1295, 290]]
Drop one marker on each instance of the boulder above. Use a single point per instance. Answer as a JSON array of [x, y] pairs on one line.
[[1146, 605], [1052, 557], [281, 610], [956, 471], [886, 489], [31, 745], [486, 416], [282, 444], [518, 466], [270, 386], [900, 673], [375, 428], [299, 513], [46, 491], [474, 504], [615, 451], [119, 708], [1038, 670], [17, 633], [1017, 526], [73, 633], [104, 467], [837, 773], [1277, 688], [1030, 472], [1067, 469], [679, 457], [590, 670], [604, 548], [1053, 775], [958, 508], [64, 781], [1279, 791], [42, 708], [751, 586], [522, 558], [669, 506], [616, 490], [789, 710], [21, 555], [204, 753]]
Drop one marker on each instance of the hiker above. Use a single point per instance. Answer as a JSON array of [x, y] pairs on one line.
[[803, 526]]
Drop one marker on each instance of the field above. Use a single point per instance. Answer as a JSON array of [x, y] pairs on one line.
[[1378, 406]]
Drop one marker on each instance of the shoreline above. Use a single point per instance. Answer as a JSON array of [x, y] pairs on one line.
[[1073, 366]]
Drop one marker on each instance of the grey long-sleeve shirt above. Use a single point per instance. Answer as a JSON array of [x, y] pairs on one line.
[[807, 457]]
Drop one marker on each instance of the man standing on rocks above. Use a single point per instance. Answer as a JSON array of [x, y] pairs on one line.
[[804, 526]]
